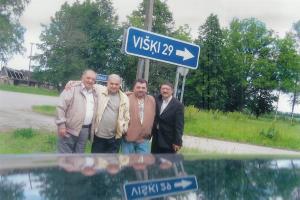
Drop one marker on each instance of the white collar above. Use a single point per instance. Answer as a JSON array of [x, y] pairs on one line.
[[85, 90], [168, 99]]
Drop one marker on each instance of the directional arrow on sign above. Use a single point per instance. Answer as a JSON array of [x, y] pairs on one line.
[[182, 184], [186, 54], [159, 187], [161, 48]]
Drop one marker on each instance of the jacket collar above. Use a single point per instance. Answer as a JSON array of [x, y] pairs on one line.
[[168, 106], [82, 88], [121, 95]]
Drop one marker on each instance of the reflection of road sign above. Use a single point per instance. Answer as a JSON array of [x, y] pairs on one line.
[[161, 48], [102, 78], [160, 187]]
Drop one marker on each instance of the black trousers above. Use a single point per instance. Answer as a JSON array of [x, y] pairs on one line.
[[103, 145], [156, 150]]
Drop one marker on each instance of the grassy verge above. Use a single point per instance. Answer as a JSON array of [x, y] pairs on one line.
[[24, 141], [236, 127], [27, 89], [44, 109], [242, 128], [27, 141], [186, 150]]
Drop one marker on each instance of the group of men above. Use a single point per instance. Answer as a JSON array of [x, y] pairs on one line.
[[115, 120]]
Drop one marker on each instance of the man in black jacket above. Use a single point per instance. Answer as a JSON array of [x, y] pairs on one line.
[[169, 122]]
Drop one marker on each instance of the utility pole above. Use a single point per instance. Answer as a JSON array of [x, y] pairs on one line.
[[149, 28], [29, 65], [143, 64]]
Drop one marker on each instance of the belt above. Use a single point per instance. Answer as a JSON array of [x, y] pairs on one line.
[[87, 126]]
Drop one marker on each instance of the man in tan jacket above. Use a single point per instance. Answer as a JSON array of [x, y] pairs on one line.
[[112, 117], [142, 112], [75, 114]]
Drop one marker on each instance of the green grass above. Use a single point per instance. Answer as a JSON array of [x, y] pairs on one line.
[[28, 140], [186, 150], [27, 89], [242, 128], [44, 109], [234, 126]]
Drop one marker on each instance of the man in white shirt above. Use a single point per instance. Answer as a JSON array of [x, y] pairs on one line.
[[75, 114], [111, 115]]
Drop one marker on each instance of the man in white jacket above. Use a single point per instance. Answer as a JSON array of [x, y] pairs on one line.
[[75, 114]]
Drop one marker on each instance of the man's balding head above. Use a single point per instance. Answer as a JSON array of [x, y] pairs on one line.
[[88, 78]]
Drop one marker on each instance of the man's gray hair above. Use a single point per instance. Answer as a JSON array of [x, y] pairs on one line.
[[115, 76], [87, 71]]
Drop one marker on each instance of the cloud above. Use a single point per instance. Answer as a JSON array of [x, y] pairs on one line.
[[278, 15]]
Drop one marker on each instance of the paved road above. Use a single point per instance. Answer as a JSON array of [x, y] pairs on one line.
[[225, 147], [15, 111]]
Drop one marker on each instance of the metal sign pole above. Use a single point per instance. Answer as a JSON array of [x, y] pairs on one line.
[[185, 72], [176, 83]]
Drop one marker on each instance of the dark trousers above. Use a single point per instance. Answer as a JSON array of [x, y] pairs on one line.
[[103, 145], [157, 149]]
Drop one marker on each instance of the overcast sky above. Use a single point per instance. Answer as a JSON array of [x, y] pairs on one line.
[[278, 15]]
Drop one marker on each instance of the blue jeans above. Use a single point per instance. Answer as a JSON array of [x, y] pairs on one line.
[[135, 147]]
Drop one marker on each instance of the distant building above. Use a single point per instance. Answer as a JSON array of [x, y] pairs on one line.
[[16, 77], [20, 77]]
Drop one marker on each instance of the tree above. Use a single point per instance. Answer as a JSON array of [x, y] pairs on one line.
[[234, 70], [10, 190], [205, 85], [288, 67], [81, 35], [11, 31], [163, 23], [295, 97], [250, 50]]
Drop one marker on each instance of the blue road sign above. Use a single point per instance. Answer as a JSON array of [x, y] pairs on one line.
[[160, 187], [102, 78], [161, 48]]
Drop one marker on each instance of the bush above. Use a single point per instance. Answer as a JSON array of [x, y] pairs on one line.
[[24, 133], [270, 133], [191, 112]]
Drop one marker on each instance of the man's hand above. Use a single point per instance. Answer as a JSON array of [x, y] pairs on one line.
[[62, 132], [128, 93], [176, 147], [71, 84]]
